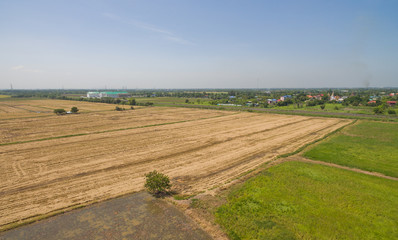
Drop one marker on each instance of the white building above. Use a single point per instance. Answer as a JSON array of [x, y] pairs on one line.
[[93, 95], [108, 95]]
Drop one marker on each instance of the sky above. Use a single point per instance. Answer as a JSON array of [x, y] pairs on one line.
[[96, 44]]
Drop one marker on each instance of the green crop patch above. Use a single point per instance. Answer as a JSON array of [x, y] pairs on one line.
[[371, 146], [296, 200]]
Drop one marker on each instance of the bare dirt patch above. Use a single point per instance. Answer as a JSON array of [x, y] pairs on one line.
[[198, 155]]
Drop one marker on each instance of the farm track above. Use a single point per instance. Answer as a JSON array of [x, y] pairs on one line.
[[303, 159], [200, 154]]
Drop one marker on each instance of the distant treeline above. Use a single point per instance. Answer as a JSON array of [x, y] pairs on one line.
[[354, 96]]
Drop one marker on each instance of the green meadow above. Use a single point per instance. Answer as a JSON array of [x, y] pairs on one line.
[[173, 100], [371, 146], [296, 200]]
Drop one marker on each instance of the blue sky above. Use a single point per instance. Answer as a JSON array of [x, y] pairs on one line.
[[198, 44]]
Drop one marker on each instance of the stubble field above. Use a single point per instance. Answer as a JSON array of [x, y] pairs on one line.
[[23, 108], [110, 152]]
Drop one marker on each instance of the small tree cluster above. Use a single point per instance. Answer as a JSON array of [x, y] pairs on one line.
[[59, 111], [157, 183], [74, 110]]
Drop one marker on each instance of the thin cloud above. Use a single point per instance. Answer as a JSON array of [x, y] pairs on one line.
[[22, 68], [178, 40], [111, 16], [167, 35], [17, 68], [150, 27]]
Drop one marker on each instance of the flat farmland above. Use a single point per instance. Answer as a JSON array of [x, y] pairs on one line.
[[198, 149], [19, 108], [28, 129]]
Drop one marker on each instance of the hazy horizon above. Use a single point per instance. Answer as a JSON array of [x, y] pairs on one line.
[[198, 44]]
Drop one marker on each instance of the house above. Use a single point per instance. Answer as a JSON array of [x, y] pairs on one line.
[[283, 98], [391, 103]]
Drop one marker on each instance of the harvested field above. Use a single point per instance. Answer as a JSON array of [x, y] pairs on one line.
[[55, 126], [11, 109], [198, 149]]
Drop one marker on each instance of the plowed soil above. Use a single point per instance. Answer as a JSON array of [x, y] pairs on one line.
[[198, 149]]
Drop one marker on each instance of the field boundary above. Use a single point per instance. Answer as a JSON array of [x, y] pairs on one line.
[[381, 118], [33, 219], [315, 141], [299, 158]]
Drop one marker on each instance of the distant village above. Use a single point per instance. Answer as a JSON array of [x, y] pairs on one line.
[[242, 98]]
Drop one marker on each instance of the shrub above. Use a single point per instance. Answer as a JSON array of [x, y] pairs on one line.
[[322, 106], [74, 109], [59, 111], [391, 111], [378, 110], [118, 108], [157, 183]]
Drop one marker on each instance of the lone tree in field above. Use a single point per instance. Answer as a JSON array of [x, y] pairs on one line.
[[59, 111], [157, 183], [74, 109]]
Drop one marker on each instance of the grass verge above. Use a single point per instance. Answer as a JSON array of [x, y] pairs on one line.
[[296, 200], [370, 146]]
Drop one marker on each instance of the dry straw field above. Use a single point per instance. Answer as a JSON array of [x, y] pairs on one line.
[[53, 162]]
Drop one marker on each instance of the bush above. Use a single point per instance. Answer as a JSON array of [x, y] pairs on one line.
[[391, 111], [378, 110], [74, 109], [157, 183], [322, 106], [118, 108], [59, 111]]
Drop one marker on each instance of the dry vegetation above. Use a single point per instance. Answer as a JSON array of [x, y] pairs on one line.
[[198, 149], [11, 109]]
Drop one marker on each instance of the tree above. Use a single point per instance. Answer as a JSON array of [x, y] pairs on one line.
[[59, 111], [74, 109], [391, 111], [132, 101], [157, 183], [378, 110], [186, 100]]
